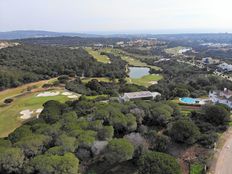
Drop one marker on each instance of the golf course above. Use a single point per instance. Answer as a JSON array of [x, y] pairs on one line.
[[27, 103]]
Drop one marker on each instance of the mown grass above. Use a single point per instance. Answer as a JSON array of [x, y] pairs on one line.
[[10, 114], [174, 51], [196, 168], [97, 55], [21, 89], [132, 61], [146, 80]]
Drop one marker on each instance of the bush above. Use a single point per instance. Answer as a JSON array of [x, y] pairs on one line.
[[119, 150], [184, 131], [158, 163]]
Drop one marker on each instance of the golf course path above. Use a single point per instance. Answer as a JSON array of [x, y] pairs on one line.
[[224, 160]]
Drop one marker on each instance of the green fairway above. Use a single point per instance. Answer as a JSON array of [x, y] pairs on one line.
[[133, 61], [97, 55], [146, 81], [10, 114], [100, 79], [174, 51], [22, 89]]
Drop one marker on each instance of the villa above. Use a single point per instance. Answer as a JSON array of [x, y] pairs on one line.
[[225, 67], [147, 95], [223, 97]]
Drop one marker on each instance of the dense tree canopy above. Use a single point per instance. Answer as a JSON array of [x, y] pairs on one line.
[[160, 163]]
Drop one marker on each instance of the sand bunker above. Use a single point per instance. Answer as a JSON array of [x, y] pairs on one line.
[[153, 82], [48, 94], [73, 96], [26, 114], [67, 93]]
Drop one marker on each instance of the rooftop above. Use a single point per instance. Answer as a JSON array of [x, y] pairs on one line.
[[141, 94]]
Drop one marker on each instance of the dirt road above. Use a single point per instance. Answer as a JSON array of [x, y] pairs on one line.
[[224, 160]]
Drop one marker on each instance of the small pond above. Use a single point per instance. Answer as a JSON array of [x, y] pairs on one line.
[[138, 72]]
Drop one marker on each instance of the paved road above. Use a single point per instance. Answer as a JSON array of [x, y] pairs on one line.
[[224, 161]]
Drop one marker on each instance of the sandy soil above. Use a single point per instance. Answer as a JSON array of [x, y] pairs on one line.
[[26, 114], [48, 94], [67, 93], [153, 82], [223, 157]]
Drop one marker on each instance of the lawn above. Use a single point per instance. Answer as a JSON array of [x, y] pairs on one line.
[[196, 169], [146, 81], [21, 89], [133, 61], [97, 55], [10, 114], [174, 51]]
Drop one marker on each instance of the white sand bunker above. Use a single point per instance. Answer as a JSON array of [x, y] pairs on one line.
[[73, 96], [26, 114], [153, 82], [48, 94], [67, 93]]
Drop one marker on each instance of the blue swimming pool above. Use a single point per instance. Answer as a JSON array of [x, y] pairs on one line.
[[190, 100]]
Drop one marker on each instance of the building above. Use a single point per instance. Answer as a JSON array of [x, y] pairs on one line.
[[146, 95], [223, 97], [225, 67], [210, 60]]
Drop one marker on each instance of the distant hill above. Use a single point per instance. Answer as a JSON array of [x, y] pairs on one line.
[[23, 34]]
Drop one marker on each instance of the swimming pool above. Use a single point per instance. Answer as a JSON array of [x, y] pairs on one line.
[[190, 100]]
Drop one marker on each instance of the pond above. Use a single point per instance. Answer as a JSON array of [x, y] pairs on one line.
[[138, 72]]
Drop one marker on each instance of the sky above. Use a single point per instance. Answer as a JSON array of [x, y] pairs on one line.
[[117, 16]]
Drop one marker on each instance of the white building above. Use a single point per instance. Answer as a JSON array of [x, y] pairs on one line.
[[140, 95], [225, 67], [223, 97]]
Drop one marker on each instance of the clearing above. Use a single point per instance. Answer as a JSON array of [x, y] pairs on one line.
[[146, 80], [97, 55]]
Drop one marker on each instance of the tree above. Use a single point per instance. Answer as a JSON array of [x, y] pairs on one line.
[[50, 164], [106, 133], [34, 144], [161, 143], [184, 131], [216, 115], [19, 133], [8, 100], [11, 160], [52, 111], [119, 150], [69, 144], [181, 92], [158, 163]]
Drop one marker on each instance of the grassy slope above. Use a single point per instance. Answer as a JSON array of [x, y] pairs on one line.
[[145, 80], [133, 61], [174, 51], [21, 89], [10, 114], [98, 56]]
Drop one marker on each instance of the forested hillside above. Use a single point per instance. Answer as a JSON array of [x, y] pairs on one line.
[[27, 63]]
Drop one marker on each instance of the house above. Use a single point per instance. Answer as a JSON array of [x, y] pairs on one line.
[[225, 67], [210, 60], [222, 97], [147, 95]]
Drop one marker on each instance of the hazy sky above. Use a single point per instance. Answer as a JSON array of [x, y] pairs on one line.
[[117, 15]]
